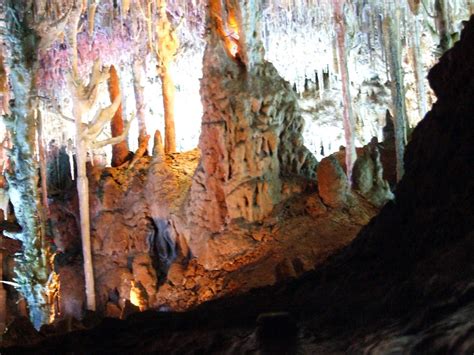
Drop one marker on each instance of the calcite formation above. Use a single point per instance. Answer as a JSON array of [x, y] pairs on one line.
[[175, 230], [367, 179], [251, 139], [140, 239]]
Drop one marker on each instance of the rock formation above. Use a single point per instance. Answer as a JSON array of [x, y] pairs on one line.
[[174, 230], [251, 137], [404, 284], [367, 178]]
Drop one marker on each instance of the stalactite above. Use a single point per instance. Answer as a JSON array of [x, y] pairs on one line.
[[166, 48], [335, 62], [119, 150], [418, 61], [139, 100], [393, 45], [91, 17], [4, 88], [414, 6], [125, 7], [32, 267], [168, 91], [149, 22], [3, 301], [320, 76], [138, 67], [349, 124], [442, 24], [4, 199], [381, 35], [42, 163], [370, 39], [70, 153], [43, 208]]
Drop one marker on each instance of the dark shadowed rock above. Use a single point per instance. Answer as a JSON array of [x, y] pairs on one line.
[[21, 331]]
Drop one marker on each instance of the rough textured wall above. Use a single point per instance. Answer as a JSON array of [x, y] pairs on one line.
[[367, 179], [134, 232], [251, 137], [133, 236]]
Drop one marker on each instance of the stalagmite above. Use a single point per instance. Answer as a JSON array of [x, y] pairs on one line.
[[142, 148], [158, 149], [349, 125]]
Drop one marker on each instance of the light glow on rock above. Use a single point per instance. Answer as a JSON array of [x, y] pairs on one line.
[[135, 297]]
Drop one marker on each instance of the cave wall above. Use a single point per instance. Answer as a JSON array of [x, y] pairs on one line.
[[134, 240], [251, 134]]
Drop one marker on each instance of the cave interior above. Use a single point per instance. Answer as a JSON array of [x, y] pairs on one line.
[[237, 176]]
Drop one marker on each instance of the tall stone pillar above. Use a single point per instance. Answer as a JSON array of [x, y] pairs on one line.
[[251, 135]]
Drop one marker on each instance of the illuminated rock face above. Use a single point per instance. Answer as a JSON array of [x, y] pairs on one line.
[[251, 139], [252, 192], [132, 233], [367, 179], [332, 182]]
